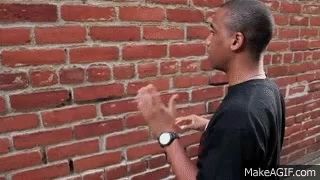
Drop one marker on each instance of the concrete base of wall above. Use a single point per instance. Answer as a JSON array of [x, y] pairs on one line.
[[310, 159]]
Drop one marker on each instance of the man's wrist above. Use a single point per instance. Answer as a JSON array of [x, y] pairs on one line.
[[167, 138]]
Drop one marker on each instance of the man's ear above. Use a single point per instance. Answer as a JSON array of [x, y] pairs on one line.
[[238, 41]]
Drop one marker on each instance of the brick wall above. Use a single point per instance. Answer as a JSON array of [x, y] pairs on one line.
[[70, 70]]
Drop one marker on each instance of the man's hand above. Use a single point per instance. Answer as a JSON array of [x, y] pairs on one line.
[[159, 117], [192, 122]]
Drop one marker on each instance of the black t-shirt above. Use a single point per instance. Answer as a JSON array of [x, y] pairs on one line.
[[246, 132]]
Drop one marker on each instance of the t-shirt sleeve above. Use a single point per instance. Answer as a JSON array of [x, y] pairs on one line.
[[228, 146]]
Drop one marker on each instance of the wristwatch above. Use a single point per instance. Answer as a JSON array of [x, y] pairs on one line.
[[166, 138]]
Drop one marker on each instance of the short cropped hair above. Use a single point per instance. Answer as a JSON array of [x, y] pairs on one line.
[[254, 20]]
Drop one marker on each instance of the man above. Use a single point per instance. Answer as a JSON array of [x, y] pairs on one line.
[[248, 128]]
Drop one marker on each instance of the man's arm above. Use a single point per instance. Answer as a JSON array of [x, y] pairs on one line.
[[181, 164]]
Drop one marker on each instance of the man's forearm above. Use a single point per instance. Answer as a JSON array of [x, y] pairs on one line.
[[181, 164]]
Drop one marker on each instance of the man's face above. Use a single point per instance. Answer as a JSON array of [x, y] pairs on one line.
[[218, 41]]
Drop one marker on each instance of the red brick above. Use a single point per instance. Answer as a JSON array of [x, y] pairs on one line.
[[87, 13], [277, 71], [97, 128], [183, 97], [300, 68], [292, 129], [169, 2], [3, 107], [141, 14], [160, 84], [314, 44], [189, 66], [40, 78], [116, 33], [207, 93], [185, 15], [47, 172], [98, 92], [33, 57], [118, 107], [28, 12], [155, 174], [71, 75], [213, 106], [296, 155], [188, 81], [183, 50], [278, 46], [169, 67], [143, 150], [189, 139], [96, 161], [19, 160], [14, 36], [192, 150], [298, 56], [18, 122], [297, 137], [281, 19], [134, 120], [31, 140], [314, 147], [197, 32], [276, 59], [299, 20], [69, 115], [296, 90], [70, 150], [293, 111], [219, 79], [116, 172], [315, 21], [94, 175], [311, 9], [315, 55], [284, 81], [286, 7], [157, 161], [4, 145], [60, 35], [308, 32], [96, 73], [127, 138], [39, 99], [162, 33], [208, 3], [273, 5], [306, 77], [312, 131], [206, 65], [133, 52], [307, 56], [147, 70], [136, 167], [13, 81], [192, 109], [125, 71], [315, 86], [93, 54]]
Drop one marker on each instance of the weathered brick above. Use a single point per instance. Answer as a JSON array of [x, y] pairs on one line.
[[116, 33], [18, 122], [13, 81], [60, 35], [87, 13], [98, 92], [14, 36]]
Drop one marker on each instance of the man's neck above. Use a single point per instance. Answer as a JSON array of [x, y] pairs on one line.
[[244, 69]]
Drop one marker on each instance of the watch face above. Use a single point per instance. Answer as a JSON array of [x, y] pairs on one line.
[[164, 138]]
